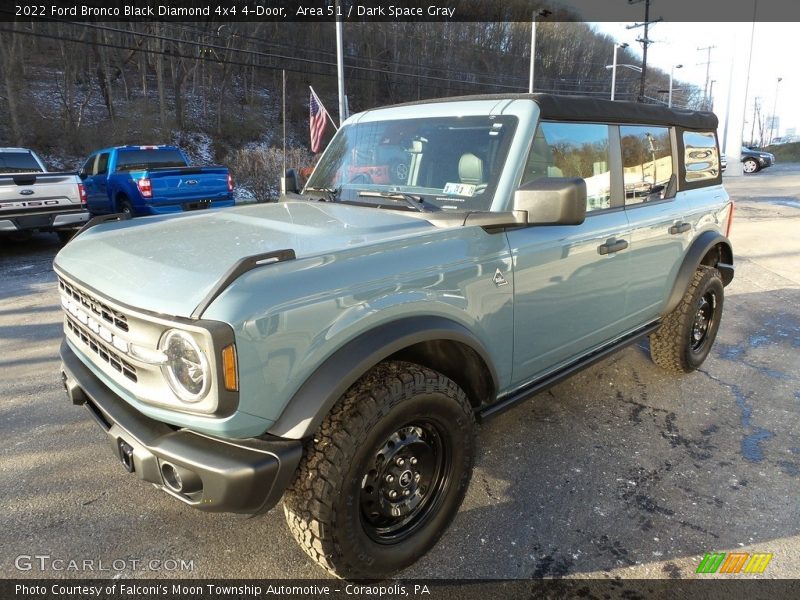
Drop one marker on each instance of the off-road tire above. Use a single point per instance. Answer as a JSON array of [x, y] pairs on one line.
[[324, 506], [674, 346]]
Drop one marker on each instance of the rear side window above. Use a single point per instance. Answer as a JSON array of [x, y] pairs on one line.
[[140, 160], [573, 150], [19, 162], [701, 157], [646, 162], [102, 164]]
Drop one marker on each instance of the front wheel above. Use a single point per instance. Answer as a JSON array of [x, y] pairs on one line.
[[385, 474], [750, 166], [686, 335]]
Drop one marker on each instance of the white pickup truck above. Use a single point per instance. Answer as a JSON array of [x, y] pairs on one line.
[[31, 199]]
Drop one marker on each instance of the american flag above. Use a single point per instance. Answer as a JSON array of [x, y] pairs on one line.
[[318, 121]]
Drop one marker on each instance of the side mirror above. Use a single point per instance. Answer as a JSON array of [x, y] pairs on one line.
[[82, 174], [289, 183], [553, 201]]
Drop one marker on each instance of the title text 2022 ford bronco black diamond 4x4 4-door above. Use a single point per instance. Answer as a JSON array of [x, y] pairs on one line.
[[446, 260]]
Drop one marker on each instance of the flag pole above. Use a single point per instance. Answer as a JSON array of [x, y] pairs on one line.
[[284, 121], [340, 66]]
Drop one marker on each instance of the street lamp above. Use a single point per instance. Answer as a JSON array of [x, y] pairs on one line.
[[614, 68], [671, 74], [774, 130], [541, 13]]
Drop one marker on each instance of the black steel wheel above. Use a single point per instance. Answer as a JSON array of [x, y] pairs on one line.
[[686, 334], [404, 482], [385, 474]]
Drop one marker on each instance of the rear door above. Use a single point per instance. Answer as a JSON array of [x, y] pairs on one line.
[[659, 234], [570, 282]]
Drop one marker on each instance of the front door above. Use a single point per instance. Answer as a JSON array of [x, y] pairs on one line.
[[570, 282]]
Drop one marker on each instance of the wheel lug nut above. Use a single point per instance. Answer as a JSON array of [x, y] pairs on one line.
[[389, 478], [416, 477], [392, 494], [407, 493], [413, 460], [400, 461]]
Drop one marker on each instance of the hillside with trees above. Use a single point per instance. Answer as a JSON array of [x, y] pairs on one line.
[[216, 88]]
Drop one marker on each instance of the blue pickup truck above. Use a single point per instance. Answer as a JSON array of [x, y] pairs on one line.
[[151, 180]]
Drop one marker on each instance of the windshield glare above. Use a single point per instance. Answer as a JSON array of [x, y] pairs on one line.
[[452, 163]]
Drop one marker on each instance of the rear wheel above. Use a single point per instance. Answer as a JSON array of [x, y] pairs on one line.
[[750, 166], [385, 474], [686, 335], [124, 206]]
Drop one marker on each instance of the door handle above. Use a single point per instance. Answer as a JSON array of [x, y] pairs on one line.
[[611, 247], [680, 228]]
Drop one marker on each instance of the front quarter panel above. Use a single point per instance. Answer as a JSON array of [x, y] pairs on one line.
[[288, 318]]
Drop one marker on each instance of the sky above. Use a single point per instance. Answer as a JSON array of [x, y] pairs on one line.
[[774, 55]]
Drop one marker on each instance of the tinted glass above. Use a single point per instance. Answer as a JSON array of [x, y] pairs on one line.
[[701, 157], [102, 164], [573, 150], [18, 162], [646, 162], [136, 160], [453, 163]]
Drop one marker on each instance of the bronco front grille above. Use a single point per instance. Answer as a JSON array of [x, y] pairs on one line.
[[101, 349], [103, 311]]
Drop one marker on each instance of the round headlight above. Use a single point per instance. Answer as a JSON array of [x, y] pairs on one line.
[[186, 368]]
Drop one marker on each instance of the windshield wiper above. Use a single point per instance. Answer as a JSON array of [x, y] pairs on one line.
[[415, 202], [332, 193]]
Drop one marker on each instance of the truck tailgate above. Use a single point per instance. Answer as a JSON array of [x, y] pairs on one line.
[[25, 192], [182, 184]]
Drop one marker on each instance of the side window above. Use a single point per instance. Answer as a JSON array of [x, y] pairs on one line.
[[700, 155], [88, 166], [573, 150], [647, 167], [102, 164]]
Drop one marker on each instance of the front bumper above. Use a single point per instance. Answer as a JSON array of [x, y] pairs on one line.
[[211, 474]]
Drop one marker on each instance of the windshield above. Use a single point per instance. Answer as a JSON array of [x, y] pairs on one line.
[[451, 163]]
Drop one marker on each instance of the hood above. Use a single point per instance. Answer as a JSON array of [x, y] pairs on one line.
[[168, 264]]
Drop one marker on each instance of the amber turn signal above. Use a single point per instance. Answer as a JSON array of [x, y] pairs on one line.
[[230, 372]]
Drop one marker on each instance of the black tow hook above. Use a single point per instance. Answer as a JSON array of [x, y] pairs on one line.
[[126, 455], [75, 394]]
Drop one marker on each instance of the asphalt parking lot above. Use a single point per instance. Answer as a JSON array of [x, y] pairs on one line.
[[621, 471]]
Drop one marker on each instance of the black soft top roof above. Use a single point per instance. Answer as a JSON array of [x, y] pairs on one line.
[[585, 108]]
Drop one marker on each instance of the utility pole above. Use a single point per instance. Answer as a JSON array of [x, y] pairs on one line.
[[644, 41], [706, 94], [756, 101]]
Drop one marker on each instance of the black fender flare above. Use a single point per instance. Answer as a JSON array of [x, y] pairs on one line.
[[694, 258], [305, 411]]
